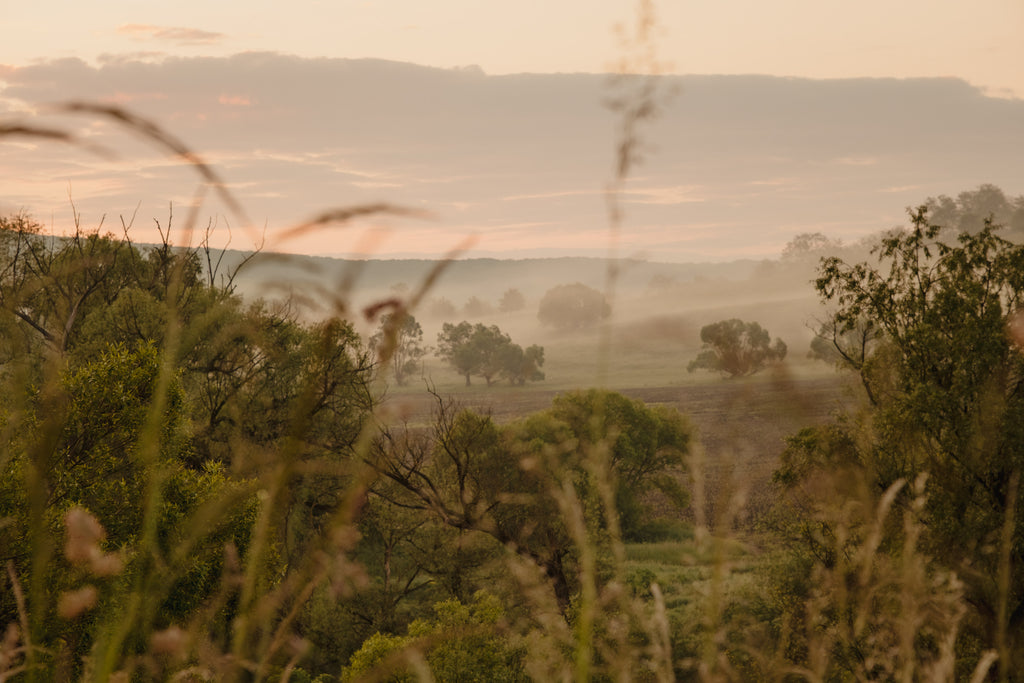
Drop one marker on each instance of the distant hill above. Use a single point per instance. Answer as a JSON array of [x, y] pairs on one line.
[[486, 279], [734, 166]]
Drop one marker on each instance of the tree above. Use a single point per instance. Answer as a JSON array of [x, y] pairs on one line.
[[646, 446], [521, 366], [570, 307], [507, 481], [970, 210], [475, 307], [945, 385], [153, 403], [511, 301], [736, 348], [486, 351], [455, 347], [441, 309], [399, 341], [809, 245], [461, 643]]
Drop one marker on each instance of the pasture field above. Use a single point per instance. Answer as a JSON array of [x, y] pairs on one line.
[[741, 424]]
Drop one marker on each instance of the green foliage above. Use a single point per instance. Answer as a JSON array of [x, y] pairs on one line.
[[522, 366], [508, 482], [943, 378], [848, 344], [647, 447], [486, 351], [461, 643], [571, 307], [143, 402], [736, 348]]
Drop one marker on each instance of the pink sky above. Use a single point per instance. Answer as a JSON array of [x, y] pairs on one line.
[[519, 165]]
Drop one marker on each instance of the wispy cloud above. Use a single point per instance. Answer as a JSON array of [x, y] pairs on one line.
[[901, 188], [145, 56], [130, 97], [856, 161], [374, 184], [550, 195], [235, 100], [179, 35], [774, 182], [669, 195]]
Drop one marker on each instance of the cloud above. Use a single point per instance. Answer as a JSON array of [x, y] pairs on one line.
[[856, 161], [374, 185], [522, 159], [551, 195], [114, 59], [122, 98], [174, 34], [668, 196], [235, 100], [902, 188]]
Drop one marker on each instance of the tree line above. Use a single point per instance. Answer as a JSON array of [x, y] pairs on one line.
[[185, 473]]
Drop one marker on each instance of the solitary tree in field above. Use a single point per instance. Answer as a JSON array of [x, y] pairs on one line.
[[512, 300], [736, 348], [573, 306], [475, 307]]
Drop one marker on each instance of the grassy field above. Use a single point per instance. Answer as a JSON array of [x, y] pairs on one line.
[[741, 423]]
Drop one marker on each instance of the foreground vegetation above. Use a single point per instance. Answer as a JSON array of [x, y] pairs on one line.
[[199, 487]]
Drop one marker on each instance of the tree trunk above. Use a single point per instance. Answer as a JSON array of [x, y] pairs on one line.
[[556, 572]]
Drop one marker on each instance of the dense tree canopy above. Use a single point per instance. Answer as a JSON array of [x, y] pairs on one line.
[[945, 381], [508, 482], [141, 395]]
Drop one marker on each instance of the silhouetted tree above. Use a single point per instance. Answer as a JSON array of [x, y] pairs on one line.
[[487, 352], [476, 307], [970, 209], [736, 348], [573, 306], [512, 300], [399, 340]]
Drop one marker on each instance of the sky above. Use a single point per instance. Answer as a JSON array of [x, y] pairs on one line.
[[223, 77], [978, 41]]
